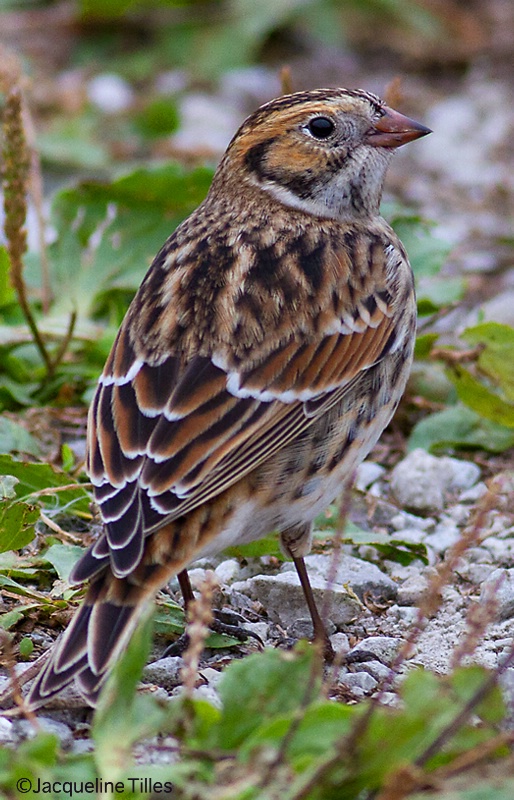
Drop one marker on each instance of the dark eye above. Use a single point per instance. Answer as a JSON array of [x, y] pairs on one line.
[[321, 127]]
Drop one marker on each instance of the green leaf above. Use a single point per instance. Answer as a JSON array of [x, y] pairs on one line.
[[7, 293], [108, 233], [321, 726], [35, 477], [15, 438], [26, 647], [158, 118], [265, 685], [427, 253], [497, 357], [63, 558], [74, 142], [169, 619], [11, 618], [438, 291], [424, 344], [17, 522], [460, 427], [268, 546], [481, 399], [390, 547]]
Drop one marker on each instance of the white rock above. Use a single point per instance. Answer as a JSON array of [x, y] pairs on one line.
[[412, 590], [405, 614], [110, 93], [444, 536], [361, 576], [171, 82], [227, 571], [282, 597], [82, 746], [164, 672], [359, 683], [340, 642], [376, 669], [421, 480], [211, 675], [197, 577], [367, 473], [404, 520], [475, 493], [501, 550], [260, 628], [500, 586], [7, 733], [384, 648]]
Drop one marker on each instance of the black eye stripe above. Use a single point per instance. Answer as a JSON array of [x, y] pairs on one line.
[[321, 127]]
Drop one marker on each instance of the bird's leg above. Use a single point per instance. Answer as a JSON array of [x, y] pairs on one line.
[[227, 622], [296, 542], [185, 588], [320, 633]]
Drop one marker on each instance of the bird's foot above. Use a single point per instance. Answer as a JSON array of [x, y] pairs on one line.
[[229, 623]]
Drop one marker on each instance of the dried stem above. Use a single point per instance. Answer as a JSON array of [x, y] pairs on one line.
[[286, 79], [15, 179], [200, 616]]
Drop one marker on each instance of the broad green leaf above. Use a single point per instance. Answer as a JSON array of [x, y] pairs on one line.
[[427, 253], [26, 647], [11, 618], [424, 344], [16, 588], [390, 547], [17, 522], [436, 291], [108, 233], [497, 357], [63, 558], [16, 438], [320, 727], [169, 619], [459, 426], [265, 685], [73, 141], [35, 477], [481, 399]]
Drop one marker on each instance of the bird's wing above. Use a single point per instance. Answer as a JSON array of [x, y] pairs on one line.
[[168, 435]]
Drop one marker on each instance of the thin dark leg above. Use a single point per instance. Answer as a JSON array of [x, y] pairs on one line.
[[185, 587], [218, 624], [320, 634]]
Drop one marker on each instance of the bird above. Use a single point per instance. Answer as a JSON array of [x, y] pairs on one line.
[[262, 356]]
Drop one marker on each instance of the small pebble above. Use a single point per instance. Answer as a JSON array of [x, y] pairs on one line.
[[360, 683]]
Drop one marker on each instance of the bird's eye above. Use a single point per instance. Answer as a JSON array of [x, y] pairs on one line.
[[321, 127]]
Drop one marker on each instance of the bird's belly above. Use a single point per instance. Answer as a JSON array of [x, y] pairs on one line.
[[298, 483]]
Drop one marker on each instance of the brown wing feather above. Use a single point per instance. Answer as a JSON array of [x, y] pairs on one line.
[[188, 428]]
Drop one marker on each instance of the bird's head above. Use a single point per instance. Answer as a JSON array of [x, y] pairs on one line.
[[325, 152]]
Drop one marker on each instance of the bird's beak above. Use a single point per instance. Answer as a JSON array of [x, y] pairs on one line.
[[394, 129]]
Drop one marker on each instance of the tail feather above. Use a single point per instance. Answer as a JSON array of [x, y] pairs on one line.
[[95, 638]]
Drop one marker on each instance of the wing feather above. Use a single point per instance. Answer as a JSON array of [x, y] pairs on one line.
[[168, 432]]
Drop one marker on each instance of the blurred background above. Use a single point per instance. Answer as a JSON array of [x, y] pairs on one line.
[[129, 106], [112, 82]]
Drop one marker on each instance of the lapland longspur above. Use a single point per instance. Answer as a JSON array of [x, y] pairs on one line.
[[264, 353]]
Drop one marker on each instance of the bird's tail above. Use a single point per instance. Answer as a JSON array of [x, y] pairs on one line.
[[96, 636]]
